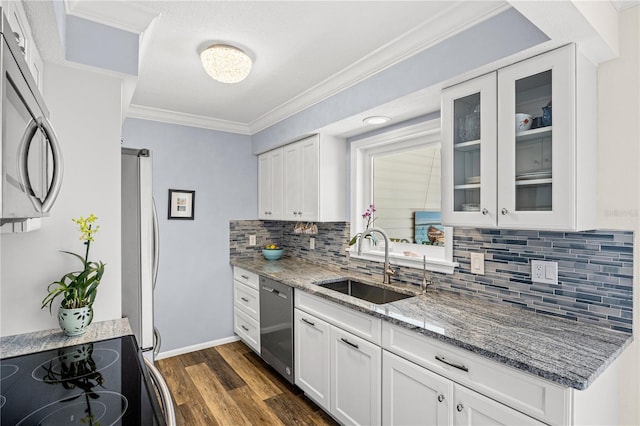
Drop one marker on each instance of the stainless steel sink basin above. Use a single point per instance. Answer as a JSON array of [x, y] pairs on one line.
[[367, 292]]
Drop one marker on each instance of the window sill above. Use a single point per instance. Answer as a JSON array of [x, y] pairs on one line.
[[432, 264]]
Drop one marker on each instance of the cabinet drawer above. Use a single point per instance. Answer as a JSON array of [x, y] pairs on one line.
[[246, 277], [247, 328], [247, 299], [538, 398], [360, 324]]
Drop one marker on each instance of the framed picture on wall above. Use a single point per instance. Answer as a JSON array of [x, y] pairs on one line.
[[428, 229], [181, 204]]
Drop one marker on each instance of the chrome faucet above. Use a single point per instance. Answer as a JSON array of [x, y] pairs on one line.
[[388, 270]]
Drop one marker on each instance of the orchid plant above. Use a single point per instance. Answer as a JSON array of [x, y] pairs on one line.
[[369, 218], [78, 288]]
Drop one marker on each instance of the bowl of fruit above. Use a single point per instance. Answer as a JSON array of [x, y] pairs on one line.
[[272, 252]]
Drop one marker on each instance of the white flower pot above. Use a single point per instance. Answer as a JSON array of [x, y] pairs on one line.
[[74, 322]]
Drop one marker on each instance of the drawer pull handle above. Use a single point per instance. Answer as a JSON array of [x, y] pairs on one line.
[[440, 398], [244, 328], [308, 322], [458, 366], [349, 343], [245, 277], [459, 407], [244, 299]]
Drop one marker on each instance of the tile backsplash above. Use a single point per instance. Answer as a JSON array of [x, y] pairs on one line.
[[595, 268]]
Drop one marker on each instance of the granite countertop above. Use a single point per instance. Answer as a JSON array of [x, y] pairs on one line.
[[21, 344], [566, 352]]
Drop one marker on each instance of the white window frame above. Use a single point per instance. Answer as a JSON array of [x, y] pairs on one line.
[[438, 259]]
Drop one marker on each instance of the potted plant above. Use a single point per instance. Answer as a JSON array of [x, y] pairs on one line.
[[78, 288]]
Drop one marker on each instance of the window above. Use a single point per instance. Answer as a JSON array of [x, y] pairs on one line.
[[399, 172]]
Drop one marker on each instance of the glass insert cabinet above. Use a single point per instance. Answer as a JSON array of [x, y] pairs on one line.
[[517, 152]]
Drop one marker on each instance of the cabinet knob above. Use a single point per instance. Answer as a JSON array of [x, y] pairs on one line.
[[440, 398], [504, 211], [485, 212], [459, 407]]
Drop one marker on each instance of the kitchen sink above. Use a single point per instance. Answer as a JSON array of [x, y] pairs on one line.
[[370, 293]]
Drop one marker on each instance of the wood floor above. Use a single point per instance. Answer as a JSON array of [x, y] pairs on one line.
[[231, 385]]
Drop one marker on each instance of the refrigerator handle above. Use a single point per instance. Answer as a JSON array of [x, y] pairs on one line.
[[156, 244], [157, 342]]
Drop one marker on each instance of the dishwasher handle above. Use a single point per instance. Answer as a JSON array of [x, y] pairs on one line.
[[274, 291]]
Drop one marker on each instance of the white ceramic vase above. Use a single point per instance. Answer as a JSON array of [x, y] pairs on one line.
[[74, 322]]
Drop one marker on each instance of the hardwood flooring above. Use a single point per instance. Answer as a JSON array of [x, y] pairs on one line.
[[231, 385]]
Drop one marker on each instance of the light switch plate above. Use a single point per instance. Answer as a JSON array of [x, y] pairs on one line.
[[544, 272], [477, 263], [252, 240], [312, 243]]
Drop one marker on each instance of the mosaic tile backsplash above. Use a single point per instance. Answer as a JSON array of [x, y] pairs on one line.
[[595, 268]]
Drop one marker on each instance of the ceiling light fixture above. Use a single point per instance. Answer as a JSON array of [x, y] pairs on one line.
[[377, 119], [225, 63]]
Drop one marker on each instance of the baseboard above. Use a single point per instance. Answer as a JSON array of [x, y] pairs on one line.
[[198, 347]]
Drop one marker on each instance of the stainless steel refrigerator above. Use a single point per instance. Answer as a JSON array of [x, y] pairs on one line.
[[140, 248]]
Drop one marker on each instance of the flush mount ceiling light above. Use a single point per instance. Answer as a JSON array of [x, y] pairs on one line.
[[225, 63], [377, 119]]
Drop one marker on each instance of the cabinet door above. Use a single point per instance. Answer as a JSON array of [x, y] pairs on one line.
[[536, 155], [413, 395], [469, 144], [473, 409], [312, 342], [309, 179], [355, 379], [291, 196], [270, 169]]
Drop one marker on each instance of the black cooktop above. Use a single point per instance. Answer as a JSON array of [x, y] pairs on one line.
[[101, 383]]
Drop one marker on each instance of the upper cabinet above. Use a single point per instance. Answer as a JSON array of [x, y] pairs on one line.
[[306, 181], [17, 18], [270, 169], [519, 146]]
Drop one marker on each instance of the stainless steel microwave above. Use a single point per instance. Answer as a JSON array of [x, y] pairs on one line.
[[31, 157]]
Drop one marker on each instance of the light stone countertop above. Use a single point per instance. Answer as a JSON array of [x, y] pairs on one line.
[[566, 352], [21, 344]]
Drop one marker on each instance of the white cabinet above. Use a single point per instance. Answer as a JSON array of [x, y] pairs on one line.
[[517, 150], [474, 409], [312, 342], [413, 395], [270, 184], [355, 379], [246, 307], [313, 181], [21, 29], [339, 369]]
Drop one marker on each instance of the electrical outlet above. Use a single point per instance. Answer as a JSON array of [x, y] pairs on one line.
[[252, 240], [312, 243], [544, 272], [477, 263]]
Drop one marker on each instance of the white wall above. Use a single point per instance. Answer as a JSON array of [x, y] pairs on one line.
[[85, 110], [619, 179]]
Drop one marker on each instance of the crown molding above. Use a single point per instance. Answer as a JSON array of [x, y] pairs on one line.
[[165, 116], [459, 17]]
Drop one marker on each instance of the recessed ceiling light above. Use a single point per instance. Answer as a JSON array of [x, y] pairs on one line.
[[377, 119], [225, 63]]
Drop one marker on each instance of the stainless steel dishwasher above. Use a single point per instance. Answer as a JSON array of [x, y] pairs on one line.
[[276, 326]]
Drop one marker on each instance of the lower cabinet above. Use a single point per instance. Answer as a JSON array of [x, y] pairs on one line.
[[355, 379], [413, 395], [341, 372], [312, 342]]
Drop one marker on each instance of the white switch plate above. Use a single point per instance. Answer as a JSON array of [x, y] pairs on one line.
[[312, 243], [477, 263], [252, 240], [544, 272]]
